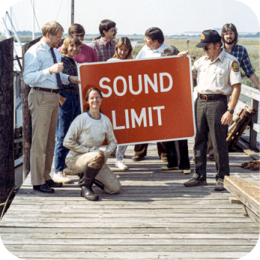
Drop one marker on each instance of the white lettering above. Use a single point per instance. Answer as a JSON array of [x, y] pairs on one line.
[[130, 82], [159, 114], [105, 87], [124, 85], [139, 120], [127, 119], [161, 82], [114, 121], [150, 116], [152, 84]]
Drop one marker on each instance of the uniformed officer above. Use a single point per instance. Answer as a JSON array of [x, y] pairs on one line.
[[218, 77]]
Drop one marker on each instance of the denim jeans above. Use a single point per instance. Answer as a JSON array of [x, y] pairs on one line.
[[120, 152], [68, 111]]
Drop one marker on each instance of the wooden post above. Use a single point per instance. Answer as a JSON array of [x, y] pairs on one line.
[[27, 125], [253, 134], [7, 181]]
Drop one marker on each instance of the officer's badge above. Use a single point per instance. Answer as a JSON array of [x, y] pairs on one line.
[[235, 66], [202, 36]]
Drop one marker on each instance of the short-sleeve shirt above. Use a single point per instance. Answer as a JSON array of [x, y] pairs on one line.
[[105, 50], [241, 54], [218, 76], [147, 52]]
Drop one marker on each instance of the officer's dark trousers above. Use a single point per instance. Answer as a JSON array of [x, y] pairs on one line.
[[208, 119], [141, 150]]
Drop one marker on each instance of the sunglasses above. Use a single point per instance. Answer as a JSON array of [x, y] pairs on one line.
[[114, 30]]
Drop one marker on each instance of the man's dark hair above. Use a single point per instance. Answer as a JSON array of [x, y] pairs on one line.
[[155, 33], [229, 27], [169, 51], [76, 28], [106, 25]]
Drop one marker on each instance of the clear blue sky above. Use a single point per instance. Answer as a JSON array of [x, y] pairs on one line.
[[135, 16]]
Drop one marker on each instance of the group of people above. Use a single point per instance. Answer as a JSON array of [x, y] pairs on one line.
[[51, 72]]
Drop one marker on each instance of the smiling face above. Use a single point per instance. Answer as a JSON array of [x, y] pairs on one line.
[[122, 51], [94, 100], [73, 49]]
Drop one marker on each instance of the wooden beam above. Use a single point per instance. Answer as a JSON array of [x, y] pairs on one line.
[[6, 120], [246, 191]]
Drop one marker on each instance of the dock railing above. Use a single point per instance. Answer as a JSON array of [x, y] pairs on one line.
[[254, 127]]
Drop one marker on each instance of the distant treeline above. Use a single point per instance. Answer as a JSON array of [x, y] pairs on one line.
[[248, 35]]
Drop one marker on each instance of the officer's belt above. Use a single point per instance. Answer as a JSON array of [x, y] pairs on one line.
[[210, 96]]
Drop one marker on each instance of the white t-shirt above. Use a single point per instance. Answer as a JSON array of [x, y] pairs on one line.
[[147, 52]]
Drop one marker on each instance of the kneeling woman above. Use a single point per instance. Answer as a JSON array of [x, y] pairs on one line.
[[84, 138]]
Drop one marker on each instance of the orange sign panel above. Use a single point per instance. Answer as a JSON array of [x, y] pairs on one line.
[[146, 100]]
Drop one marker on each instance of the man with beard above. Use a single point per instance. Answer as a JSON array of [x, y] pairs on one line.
[[229, 37], [218, 77], [105, 46]]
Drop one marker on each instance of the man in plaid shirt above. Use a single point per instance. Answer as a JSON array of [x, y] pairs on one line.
[[105, 46], [229, 37]]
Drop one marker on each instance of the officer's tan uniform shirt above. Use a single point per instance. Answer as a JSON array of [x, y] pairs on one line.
[[218, 76]]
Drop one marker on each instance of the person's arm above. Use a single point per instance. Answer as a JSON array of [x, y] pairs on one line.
[[111, 140], [255, 80], [70, 140], [227, 117]]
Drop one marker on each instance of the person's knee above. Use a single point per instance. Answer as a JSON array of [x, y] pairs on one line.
[[98, 161], [113, 189]]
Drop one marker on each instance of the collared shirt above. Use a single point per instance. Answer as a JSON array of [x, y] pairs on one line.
[[218, 76], [241, 54], [105, 50], [37, 61], [147, 52]]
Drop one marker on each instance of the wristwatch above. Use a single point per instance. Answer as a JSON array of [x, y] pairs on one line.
[[230, 111]]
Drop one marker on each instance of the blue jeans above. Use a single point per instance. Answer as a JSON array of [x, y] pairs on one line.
[[68, 111]]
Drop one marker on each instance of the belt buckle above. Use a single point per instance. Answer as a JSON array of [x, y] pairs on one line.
[[205, 97]]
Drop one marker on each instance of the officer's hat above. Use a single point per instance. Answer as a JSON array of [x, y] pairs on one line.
[[207, 37]]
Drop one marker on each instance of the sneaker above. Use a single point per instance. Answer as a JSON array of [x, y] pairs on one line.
[[61, 177], [137, 158], [219, 185], [194, 182], [166, 168], [187, 171], [121, 165]]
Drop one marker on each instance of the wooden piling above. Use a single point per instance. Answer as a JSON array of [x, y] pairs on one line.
[[6, 120]]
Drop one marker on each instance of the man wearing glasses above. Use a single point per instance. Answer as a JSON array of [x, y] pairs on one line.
[[105, 46], [87, 54], [218, 77]]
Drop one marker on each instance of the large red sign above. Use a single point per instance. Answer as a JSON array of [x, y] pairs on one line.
[[146, 100]]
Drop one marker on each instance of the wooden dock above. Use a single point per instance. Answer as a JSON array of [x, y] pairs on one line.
[[154, 217]]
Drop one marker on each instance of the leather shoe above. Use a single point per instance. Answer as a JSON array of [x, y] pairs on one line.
[[194, 182], [43, 188], [54, 184], [137, 158]]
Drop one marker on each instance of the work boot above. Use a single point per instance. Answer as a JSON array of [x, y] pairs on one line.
[[86, 181], [99, 184], [219, 185]]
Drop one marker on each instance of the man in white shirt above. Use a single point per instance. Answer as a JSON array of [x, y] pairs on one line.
[[154, 40], [42, 71]]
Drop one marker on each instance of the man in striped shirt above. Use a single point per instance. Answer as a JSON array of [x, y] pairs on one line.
[[105, 46]]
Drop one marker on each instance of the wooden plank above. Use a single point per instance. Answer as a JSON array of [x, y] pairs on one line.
[[247, 191]]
